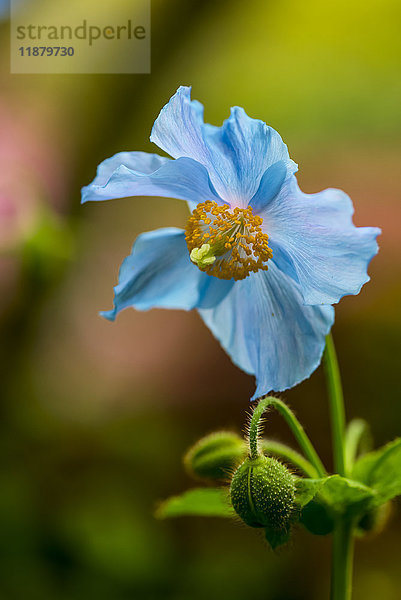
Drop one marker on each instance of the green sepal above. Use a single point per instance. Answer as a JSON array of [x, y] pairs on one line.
[[381, 471], [198, 502], [215, 456], [276, 537]]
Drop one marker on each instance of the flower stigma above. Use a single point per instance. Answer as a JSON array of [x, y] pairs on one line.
[[227, 243], [202, 256]]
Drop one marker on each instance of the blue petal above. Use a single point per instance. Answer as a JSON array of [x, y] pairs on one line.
[[267, 330], [315, 242], [184, 179], [236, 155], [142, 162], [270, 185], [213, 290], [159, 274]]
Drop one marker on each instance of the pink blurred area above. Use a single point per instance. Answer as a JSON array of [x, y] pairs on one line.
[[30, 150], [33, 178]]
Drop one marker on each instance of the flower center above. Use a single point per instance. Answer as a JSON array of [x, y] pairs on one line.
[[227, 243]]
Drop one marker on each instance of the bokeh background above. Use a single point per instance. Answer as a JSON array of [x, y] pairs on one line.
[[96, 416]]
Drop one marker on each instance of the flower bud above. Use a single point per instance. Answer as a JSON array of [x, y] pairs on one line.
[[263, 495], [215, 456]]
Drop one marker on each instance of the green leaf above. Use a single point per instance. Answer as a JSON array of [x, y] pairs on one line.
[[314, 515], [200, 502], [340, 494], [316, 518], [381, 470], [345, 496], [322, 500], [306, 490], [375, 519], [358, 441]]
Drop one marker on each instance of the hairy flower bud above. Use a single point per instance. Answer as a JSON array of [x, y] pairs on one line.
[[215, 456], [263, 495]]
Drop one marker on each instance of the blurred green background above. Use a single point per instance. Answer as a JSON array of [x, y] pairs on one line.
[[95, 417]]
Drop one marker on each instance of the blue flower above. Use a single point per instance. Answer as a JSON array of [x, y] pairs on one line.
[[261, 261]]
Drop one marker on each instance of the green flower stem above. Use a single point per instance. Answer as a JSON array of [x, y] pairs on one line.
[[357, 434], [294, 457], [343, 537], [336, 402], [343, 552], [293, 423]]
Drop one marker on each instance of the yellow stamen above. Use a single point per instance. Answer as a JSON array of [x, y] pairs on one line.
[[227, 243]]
